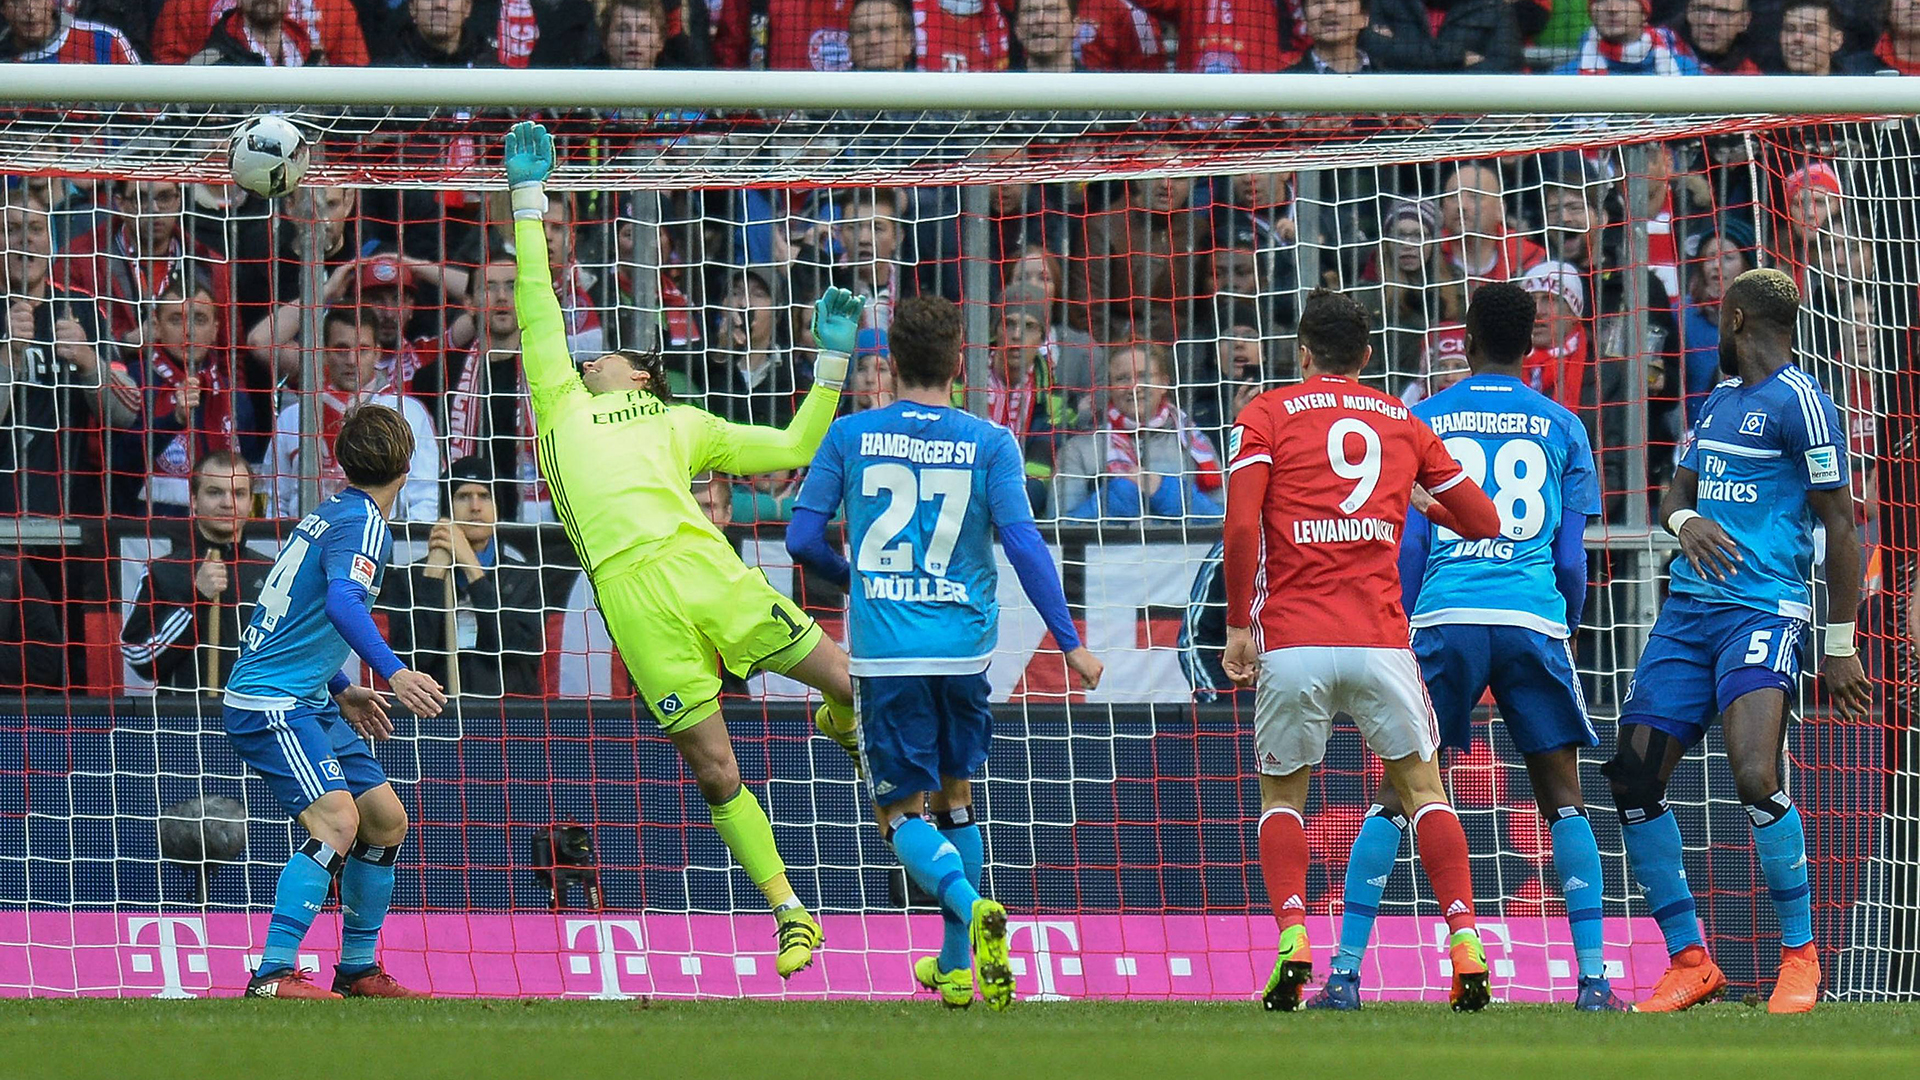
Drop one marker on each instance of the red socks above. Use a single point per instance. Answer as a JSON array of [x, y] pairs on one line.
[[1283, 863], [1443, 851]]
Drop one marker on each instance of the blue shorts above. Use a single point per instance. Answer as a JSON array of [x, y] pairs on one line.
[[304, 752], [1702, 657], [916, 730], [1531, 676]]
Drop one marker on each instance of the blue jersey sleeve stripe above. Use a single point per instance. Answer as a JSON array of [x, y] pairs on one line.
[[1810, 405]]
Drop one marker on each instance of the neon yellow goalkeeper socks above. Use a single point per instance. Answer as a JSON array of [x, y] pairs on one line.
[[743, 825], [842, 713]]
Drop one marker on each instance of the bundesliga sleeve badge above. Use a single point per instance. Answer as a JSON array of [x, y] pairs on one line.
[[362, 570]]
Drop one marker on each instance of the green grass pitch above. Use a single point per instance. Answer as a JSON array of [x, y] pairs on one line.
[[231, 1040]]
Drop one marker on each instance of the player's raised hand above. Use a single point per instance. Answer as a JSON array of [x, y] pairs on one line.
[[365, 711], [1847, 682], [419, 692], [836, 320], [1241, 660], [529, 157], [1709, 549], [1087, 666]]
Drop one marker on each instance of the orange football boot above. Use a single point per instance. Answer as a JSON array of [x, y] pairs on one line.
[[1692, 977], [293, 985], [373, 982], [1799, 985], [1470, 992]]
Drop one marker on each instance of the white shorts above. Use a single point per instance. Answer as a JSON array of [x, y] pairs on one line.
[[1302, 687]]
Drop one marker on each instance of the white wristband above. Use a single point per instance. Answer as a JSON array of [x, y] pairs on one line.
[[1678, 520], [1840, 639], [830, 369], [530, 200]]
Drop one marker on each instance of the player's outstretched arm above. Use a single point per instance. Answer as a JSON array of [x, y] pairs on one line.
[[1240, 562], [347, 610], [1708, 548], [1461, 506], [543, 329], [1846, 679], [748, 449]]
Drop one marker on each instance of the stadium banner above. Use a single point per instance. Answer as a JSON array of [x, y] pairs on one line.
[[616, 955]]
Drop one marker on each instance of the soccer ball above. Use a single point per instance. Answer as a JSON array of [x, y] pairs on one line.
[[268, 156]]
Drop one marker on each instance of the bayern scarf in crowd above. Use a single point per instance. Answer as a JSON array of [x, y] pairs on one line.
[[1123, 445]]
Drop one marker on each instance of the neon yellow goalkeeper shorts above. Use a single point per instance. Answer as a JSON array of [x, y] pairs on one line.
[[674, 613]]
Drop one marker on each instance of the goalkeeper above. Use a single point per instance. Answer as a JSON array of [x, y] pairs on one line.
[[619, 458]]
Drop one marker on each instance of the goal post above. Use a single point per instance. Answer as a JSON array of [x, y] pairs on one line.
[[1130, 254]]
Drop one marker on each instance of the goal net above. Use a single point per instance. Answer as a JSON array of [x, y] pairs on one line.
[[1129, 278]]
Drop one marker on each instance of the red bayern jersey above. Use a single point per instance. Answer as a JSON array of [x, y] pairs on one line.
[[789, 35], [1114, 35], [1232, 36], [950, 41], [1341, 461]]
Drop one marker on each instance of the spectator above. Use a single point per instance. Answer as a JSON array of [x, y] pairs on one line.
[[170, 637], [1442, 363], [480, 399], [1070, 356], [259, 33], [332, 29], [869, 233], [1145, 268], [635, 33], [1022, 397], [1231, 36], [1899, 48], [1044, 36], [1473, 214], [1231, 371], [1115, 35], [352, 371], [385, 290], [870, 384], [1335, 27], [1716, 32], [474, 596], [541, 33], [1019, 215], [1402, 285], [42, 32], [1811, 37], [137, 252], [1717, 259], [1621, 42], [792, 35], [750, 378], [1437, 36], [714, 492], [960, 35], [880, 35], [1557, 366], [64, 389], [190, 408], [1810, 197], [269, 298], [437, 33], [572, 281], [1146, 458]]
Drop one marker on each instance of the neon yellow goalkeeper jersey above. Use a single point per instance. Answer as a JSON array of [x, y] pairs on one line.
[[620, 466]]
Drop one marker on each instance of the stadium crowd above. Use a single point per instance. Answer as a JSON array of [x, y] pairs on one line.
[[154, 359]]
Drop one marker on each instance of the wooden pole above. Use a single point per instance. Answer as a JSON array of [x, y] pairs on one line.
[[212, 680], [452, 631]]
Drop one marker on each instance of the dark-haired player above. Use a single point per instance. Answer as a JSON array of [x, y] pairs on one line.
[[1768, 458], [1320, 478], [1497, 614], [926, 486], [293, 715], [619, 458]]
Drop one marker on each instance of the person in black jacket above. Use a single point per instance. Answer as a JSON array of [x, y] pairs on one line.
[[435, 33], [1470, 35], [497, 618], [170, 637]]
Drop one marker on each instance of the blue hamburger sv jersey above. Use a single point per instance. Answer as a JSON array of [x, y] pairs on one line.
[[925, 487], [1758, 450], [1532, 458], [290, 649]]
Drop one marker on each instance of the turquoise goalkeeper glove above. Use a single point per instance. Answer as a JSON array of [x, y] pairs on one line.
[[836, 329], [529, 162]]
